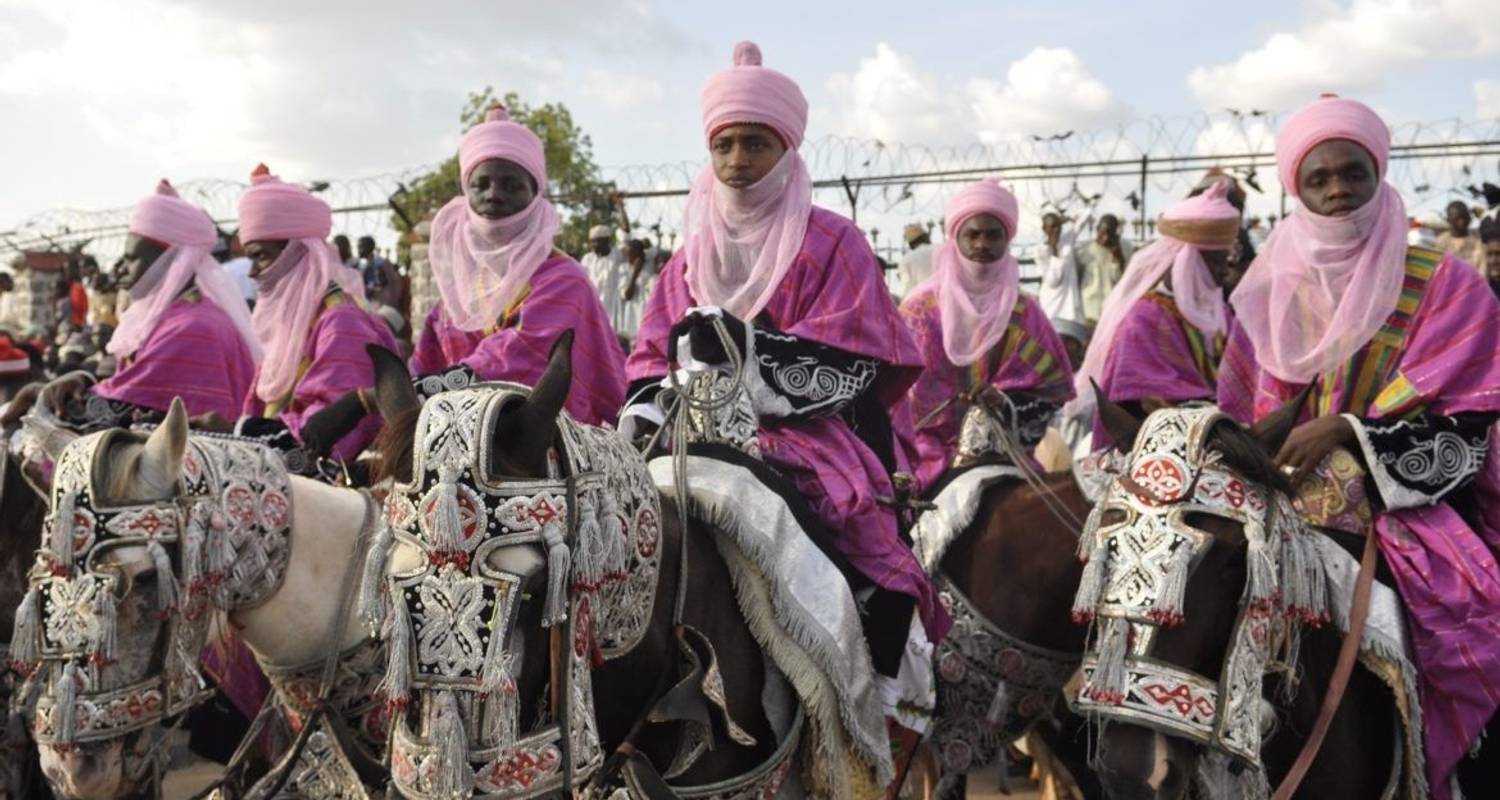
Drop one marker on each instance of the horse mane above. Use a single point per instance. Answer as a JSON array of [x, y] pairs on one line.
[[394, 444], [1243, 453]]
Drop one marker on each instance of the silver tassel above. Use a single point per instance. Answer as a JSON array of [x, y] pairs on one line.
[[592, 555], [559, 566], [396, 685], [447, 527], [1167, 610], [1000, 705], [166, 581], [25, 641], [65, 712], [372, 582], [1261, 591], [445, 732], [191, 580], [107, 641], [60, 540], [500, 693], [1107, 685], [612, 528], [1091, 582]]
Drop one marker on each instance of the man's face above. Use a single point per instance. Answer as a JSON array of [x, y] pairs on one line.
[[262, 255], [1459, 219], [1109, 232], [366, 248], [499, 188], [1336, 178], [1052, 227], [982, 238], [1492, 259], [743, 154], [1217, 262], [600, 245], [140, 254]]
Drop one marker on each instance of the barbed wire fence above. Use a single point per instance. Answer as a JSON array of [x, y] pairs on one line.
[[1132, 171]]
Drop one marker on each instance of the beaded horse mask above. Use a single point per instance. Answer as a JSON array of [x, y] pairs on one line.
[[1138, 566], [104, 658], [450, 622]]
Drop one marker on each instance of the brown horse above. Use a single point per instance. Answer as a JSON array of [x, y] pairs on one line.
[[1016, 564], [1135, 761], [23, 511], [628, 688]]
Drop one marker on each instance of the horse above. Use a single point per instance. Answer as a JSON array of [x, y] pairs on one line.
[[1207, 596], [1001, 545], [680, 712], [168, 531]]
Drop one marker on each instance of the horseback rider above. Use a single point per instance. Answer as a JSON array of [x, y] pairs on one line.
[[979, 333], [187, 332], [1161, 333], [310, 318], [506, 292], [1395, 346], [799, 288]]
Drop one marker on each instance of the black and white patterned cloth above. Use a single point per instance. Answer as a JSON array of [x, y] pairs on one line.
[[1423, 460]]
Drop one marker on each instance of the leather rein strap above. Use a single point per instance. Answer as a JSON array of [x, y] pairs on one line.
[[1359, 613]]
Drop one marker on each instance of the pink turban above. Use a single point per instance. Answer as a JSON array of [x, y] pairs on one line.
[[1322, 286], [749, 93], [498, 137], [1329, 117], [190, 236], [271, 210], [167, 218], [975, 300]]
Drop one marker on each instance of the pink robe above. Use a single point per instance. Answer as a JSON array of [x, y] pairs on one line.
[[833, 295], [1028, 358], [195, 353], [334, 364], [1445, 569], [1157, 353], [560, 297]]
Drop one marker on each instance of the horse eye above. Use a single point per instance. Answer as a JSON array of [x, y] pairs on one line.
[[1113, 516]]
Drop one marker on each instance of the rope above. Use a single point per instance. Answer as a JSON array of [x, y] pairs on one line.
[[1010, 445]]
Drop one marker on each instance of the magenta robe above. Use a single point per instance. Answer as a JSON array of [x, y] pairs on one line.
[[560, 297], [1028, 358], [1157, 353], [334, 364], [833, 295], [194, 353], [1445, 569]]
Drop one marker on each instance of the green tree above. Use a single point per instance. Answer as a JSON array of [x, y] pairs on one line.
[[574, 183]]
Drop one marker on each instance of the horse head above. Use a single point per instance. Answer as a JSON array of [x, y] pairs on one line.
[[495, 508], [1198, 573], [150, 537]]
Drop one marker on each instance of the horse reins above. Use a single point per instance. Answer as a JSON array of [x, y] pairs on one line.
[[1359, 614]]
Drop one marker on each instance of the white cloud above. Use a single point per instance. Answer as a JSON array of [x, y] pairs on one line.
[[1048, 91], [1349, 48], [889, 98], [1487, 98], [621, 91]]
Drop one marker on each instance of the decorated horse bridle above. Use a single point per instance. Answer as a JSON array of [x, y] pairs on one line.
[[448, 621], [220, 542], [1137, 571]]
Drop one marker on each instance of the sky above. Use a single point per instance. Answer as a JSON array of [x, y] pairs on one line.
[[100, 98]]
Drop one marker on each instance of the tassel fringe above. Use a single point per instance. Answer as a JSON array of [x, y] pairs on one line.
[[372, 589], [396, 685], [106, 642], [1261, 593], [25, 641], [65, 712], [1107, 685], [166, 581], [447, 528], [1167, 610], [445, 730], [1000, 705], [60, 536], [559, 565], [500, 701], [1091, 583]]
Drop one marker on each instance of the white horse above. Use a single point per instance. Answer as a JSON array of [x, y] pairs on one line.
[[287, 626]]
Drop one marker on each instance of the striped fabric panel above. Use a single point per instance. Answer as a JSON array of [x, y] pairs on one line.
[[1206, 352], [1373, 368], [512, 315], [1015, 344]]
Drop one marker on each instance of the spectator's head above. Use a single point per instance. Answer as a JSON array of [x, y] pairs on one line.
[[916, 235], [140, 253], [1458, 217], [345, 251], [1489, 233], [635, 251], [1108, 233], [1052, 225], [1075, 339], [367, 247], [7, 283], [601, 239]]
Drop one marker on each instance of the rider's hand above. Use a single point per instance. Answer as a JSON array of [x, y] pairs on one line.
[[1310, 443], [61, 391], [988, 396], [212, 422], [20, 403], [703, 338]]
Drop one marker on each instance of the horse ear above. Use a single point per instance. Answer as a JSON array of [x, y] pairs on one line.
[[161, 459], [394, 394], [536, 421], [1273, 428], [1121, 425]]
